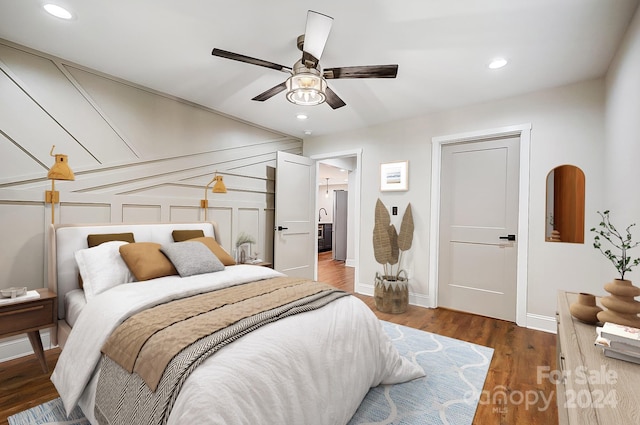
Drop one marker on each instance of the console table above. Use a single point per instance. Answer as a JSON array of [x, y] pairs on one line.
[[591, 388]]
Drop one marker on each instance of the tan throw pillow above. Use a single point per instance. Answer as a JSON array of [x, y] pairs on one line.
[[146, 261], [219, 251], [184, 235], [95, 240]]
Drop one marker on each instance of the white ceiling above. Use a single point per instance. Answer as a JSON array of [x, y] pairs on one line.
[[442, 48], [336, 175]]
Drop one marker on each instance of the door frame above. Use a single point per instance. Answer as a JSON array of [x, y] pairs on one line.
[[356, 206], [523, 132]]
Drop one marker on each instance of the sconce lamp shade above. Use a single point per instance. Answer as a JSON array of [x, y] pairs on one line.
[[60, 170], [219, 186]]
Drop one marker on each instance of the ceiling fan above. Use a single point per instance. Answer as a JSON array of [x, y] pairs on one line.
[[307, 82]]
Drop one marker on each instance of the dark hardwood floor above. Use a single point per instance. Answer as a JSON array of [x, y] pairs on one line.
[[512, 393], [23, 385]]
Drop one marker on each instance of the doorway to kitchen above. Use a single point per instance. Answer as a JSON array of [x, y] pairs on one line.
[[337, 206]]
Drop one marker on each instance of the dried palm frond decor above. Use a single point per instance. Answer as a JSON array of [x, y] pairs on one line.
[[391, 290]]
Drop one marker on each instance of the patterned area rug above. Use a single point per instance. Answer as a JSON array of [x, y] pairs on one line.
[[51, 412], [449, 394]]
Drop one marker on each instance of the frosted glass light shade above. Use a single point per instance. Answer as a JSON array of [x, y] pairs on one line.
[[306, 89]]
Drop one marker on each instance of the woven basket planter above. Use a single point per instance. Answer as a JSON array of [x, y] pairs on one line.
[[391, 295]]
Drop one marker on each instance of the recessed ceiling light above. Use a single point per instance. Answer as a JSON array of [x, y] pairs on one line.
[[308, 132], [58, 11], [302, 116], [497, 63]]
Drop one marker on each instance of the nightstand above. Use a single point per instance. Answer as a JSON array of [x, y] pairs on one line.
[[262, 263], [29, 317]]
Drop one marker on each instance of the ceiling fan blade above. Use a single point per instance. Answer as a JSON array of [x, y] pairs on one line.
[[372, 71], [316, 34], [333, 100], [247, 59], [270, 93]]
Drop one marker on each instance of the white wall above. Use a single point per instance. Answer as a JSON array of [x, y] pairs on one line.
[[138, 156], [622, 153], [567, 128]]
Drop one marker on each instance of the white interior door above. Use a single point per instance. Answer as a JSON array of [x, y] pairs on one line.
[[477, 270], [295, 235]]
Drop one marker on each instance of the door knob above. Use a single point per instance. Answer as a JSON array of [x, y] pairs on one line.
[[280, 228], [509, 237]]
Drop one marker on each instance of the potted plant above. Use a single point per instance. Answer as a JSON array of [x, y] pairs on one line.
[[391, 289], [622, 308], [243, 247]]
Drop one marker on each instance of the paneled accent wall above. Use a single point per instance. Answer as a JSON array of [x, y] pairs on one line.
[[138, 156]]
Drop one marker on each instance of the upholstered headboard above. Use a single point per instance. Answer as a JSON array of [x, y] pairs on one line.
[[65, 240]]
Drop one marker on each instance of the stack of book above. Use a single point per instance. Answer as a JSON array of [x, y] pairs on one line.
[[619, 342]]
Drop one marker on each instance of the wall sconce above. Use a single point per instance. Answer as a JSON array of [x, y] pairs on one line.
[[326, 194], [59, 171], [218, 187]]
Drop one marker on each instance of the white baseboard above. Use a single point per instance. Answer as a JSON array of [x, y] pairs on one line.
[[20, 347], [350, 262], [364, 289], [419, 300], [542, 323], [534, 321]]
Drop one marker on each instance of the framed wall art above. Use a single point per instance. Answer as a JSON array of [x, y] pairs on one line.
[[394, 176]]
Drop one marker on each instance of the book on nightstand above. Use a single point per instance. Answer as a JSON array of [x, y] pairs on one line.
[[28, 296]]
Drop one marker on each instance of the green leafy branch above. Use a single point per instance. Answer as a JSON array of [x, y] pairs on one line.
[[244, 238], [622, 262]]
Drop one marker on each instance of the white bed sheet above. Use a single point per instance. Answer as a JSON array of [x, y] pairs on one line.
[[74, 302], [319, 376]]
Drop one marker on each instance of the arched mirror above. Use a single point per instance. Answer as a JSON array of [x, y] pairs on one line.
[[565, 205]]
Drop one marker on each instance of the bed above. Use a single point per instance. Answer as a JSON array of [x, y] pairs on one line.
[[310, 362]]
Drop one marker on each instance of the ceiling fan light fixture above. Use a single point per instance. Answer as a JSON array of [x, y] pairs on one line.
[[306, 88]]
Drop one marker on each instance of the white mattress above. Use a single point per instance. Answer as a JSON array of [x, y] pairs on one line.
[[74, 302]]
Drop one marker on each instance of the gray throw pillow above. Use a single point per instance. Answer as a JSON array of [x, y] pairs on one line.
[[191, 258]]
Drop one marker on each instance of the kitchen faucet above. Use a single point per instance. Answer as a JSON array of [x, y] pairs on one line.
[[319, 213]]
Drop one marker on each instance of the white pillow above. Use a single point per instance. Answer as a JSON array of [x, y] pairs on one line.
[[102, 267]]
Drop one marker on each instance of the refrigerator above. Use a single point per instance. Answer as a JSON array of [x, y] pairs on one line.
[[340, 212]]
